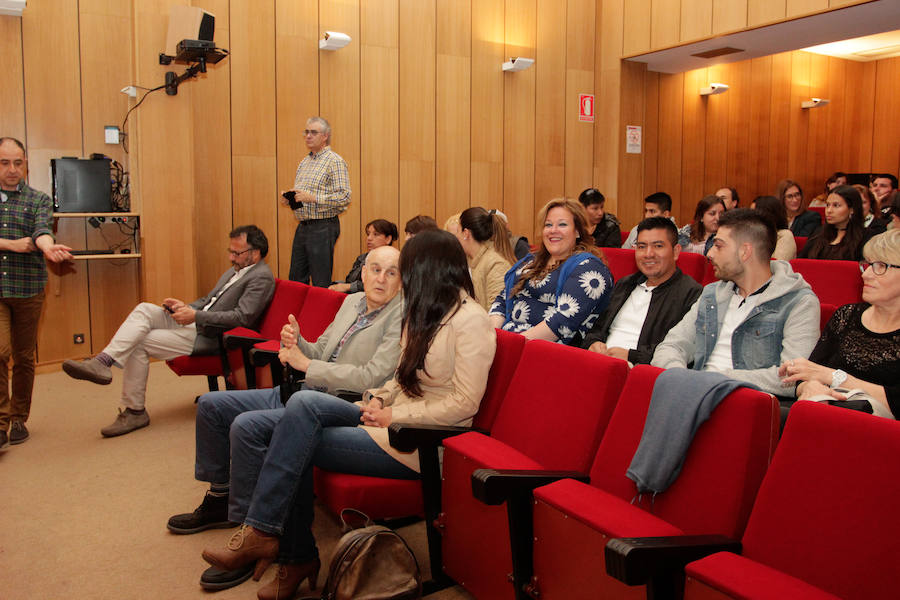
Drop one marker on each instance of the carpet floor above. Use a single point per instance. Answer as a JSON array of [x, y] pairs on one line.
[[85, 517]]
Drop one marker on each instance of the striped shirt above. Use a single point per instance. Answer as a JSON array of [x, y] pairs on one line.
[[25, 212], [362, 321], [324, 175]]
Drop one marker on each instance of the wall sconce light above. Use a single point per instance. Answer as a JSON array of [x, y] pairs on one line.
[[334, 40], [814, 102], [518, 63], [713, 89]]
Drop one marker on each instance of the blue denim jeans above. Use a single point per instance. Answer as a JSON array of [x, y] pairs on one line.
[[272, 451], [312, 253]]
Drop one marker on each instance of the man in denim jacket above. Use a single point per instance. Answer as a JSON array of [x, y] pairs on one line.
[[757, 316]]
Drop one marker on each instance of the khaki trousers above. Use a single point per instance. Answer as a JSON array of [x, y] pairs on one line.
[[18, 337]]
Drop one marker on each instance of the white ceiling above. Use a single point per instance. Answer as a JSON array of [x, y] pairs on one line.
[[876, 17], [863, 49]]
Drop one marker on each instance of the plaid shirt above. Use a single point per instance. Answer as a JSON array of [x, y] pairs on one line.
[[325, 176], [25, 212], [363, 321]]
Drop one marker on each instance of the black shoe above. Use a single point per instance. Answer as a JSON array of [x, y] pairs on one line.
[[217, 579], [211, 514], [18, 433], [4, 440]]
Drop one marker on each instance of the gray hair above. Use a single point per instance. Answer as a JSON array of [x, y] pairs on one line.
[[326, 128], [884, 247]]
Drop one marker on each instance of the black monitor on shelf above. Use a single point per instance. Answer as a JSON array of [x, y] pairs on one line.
[[81, 185]]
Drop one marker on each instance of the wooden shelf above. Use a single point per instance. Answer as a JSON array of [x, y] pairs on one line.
[[106, 256], [62, 215]]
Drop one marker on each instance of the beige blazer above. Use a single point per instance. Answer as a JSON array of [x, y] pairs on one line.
[[453, 381], [785, 246], [488, 269], [368, 358]]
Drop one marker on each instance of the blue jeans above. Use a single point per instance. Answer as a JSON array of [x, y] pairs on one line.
[[272, 451], [312, 253]]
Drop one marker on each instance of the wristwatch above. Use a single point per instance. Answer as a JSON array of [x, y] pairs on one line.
[[837, 378]]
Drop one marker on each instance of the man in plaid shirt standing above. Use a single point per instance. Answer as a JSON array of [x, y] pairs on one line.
[[322, 184], [25, 240]]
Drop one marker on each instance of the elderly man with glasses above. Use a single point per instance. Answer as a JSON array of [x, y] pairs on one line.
[[321, 192], [175, 328]]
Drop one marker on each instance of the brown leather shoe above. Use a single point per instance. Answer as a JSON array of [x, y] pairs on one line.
[[288, 579], [245, 546]]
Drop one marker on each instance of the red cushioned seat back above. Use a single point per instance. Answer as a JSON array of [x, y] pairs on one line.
[[506, 359], [318, 311], [836, 282], [693, 265], [552, 375], [800, 241], [288, 299], [620, 262], [826, 311], [826, 511], [722, 469]]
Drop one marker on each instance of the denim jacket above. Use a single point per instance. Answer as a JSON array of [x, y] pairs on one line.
[[784, 325]]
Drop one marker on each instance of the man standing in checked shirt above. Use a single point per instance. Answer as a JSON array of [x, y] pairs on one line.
[[25, 240], [322, 184]]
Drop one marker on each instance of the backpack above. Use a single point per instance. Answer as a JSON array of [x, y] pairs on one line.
[[372, 563]]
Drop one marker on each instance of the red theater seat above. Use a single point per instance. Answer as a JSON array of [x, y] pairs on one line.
[[822, 526], [621, 262], [835, 282], [693, 265], [713, 494], [555, 411], [394, 498], [800, 241]]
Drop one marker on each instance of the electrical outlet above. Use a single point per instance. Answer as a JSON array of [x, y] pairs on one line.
[[78, 338]]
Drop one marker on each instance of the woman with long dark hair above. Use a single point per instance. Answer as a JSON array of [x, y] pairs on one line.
[[556, 293], [448, 346], [698, 236], [802, 222], [485, 241], [843, 235], [785, 245]]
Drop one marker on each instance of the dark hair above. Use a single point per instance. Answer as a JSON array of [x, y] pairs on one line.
[[752, 226], [771, 207], [22, 146], [538, 268], [420, 223], [487, 226], [256, 239], [833, 178], [855, 232], [783, 186], [734, 195], [698, 230], [875, 176], [659, 223], [384, 227], [662, 199], [866, 193], [591, 196], [433, 270]]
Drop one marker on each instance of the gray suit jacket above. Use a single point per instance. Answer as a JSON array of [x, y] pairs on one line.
[[241, 305], [368, 358]]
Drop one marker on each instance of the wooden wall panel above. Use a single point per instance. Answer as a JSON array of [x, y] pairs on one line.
[[211, 107], [779, 120], [717, 109], [296, 99], [760, 110], [417, 109], [834, 128], [579, 151], [379, 86], [455, 129], [665, 23], [796, 8], [253, 172], [671, 101], [550, 122], [636, 38], [609, 131], [737, 171], [12, 92], [859, 92], [651, 135], [339, 102], [761, 12], [693, 143], [886, 127], [519, 201], [798, 130], [817, 141], [630, 207], [696, 19], [728, 15], [487, 87]]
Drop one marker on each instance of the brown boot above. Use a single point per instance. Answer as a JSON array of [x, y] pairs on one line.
[[288, 579], [245, 546]]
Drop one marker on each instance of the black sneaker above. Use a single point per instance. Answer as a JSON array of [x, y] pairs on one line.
[[217, 579], [4, 440], [211, 514], [18, 433]]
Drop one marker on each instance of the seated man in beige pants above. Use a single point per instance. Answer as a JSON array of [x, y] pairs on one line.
[[175, 328]]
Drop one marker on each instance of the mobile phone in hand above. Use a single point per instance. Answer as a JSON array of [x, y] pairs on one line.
[[169, 309], [290, 197]]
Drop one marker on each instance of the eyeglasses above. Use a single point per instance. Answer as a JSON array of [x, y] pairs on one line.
[[878, 267], [236, 254], [311, 132]]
